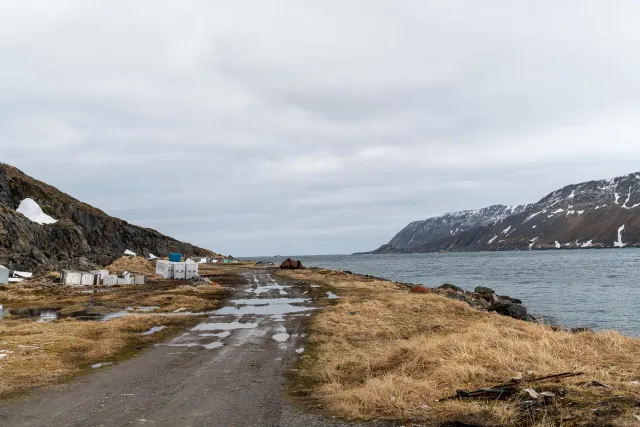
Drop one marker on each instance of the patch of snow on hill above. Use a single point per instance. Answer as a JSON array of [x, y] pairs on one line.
[[33, 211], [506, 230], [619, 243], [558, 246], [587, 244], [493, 239]]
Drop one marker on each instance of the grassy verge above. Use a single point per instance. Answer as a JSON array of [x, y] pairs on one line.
[[384, 353], [45, 353]]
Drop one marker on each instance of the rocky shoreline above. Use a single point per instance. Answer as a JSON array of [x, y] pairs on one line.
[[481, 298]]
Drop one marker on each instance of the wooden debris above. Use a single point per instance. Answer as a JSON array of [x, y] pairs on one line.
[[504, 391]]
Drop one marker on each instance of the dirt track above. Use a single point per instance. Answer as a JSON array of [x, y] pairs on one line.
[[200, 378]]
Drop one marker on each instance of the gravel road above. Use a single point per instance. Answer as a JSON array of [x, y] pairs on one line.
[[227, 371]]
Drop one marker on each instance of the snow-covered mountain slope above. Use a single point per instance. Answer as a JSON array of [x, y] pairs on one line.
[[421, 233], [594, 214]]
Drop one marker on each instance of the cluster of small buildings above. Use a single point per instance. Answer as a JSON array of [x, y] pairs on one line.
[[100, 277], [174, 268], [7, 276]]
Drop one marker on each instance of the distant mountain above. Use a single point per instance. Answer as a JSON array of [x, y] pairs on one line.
[[42, 228], [594, 214]]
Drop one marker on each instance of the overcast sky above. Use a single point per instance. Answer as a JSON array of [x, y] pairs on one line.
[[310, 127]]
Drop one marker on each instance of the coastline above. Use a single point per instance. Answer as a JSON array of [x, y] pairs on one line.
[[381, 351]]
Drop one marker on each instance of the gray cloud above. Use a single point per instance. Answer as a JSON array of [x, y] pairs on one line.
[[257, 127]]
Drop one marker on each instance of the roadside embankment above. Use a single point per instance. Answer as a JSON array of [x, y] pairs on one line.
[[383, 352]]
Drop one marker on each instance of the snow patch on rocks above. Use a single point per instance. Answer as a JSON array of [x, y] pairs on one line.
[[33, 211]]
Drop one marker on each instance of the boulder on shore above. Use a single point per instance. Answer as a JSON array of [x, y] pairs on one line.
[[290, 264], [508, 308], [484, 290]]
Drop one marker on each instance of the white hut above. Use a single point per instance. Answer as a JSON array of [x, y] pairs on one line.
[[191, 269], [4, 275], [180, 270], [164, 269], [77, 278], [110, 280]]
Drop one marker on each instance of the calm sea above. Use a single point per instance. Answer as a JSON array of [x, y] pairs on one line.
[[599, 289]]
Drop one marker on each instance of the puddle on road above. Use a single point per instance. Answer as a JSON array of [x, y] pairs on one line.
[[300, 350], [267, 301], [100, 365], [154, 330], [213, 345], [219, 335], [224, 326], [266, 310], [270, 288], [281, 337], [331, 295]]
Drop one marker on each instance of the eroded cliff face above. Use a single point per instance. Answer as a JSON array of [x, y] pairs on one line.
[[83, 237], [594, 214]]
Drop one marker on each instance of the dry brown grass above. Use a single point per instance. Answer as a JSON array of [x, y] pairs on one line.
[[47, 353], [133, 264], [168, 295], [383, 352]]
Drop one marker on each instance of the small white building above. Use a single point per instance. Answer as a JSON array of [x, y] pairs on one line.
[[101, 274], [164, 269], [191, 269], [4, 275], [179, 270], [77, 278], [110, 280]]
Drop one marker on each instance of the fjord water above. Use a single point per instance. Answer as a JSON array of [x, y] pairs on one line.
[[598, 288]]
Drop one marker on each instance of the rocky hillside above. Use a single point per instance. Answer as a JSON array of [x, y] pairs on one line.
[[81, 236], [429, 231], [594, 214]]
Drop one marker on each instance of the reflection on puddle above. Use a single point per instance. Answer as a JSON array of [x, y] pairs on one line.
[[112, 316], [224, 326], [300, 350], [154, 330], [331, 295], [47, 314]]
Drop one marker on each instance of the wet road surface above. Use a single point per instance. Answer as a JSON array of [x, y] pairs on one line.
[[227, 371]]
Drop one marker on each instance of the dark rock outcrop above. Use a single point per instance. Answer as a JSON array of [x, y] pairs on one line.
[[83, 237], [508, 308], [594, 214], [290, 264], [485, 299]]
